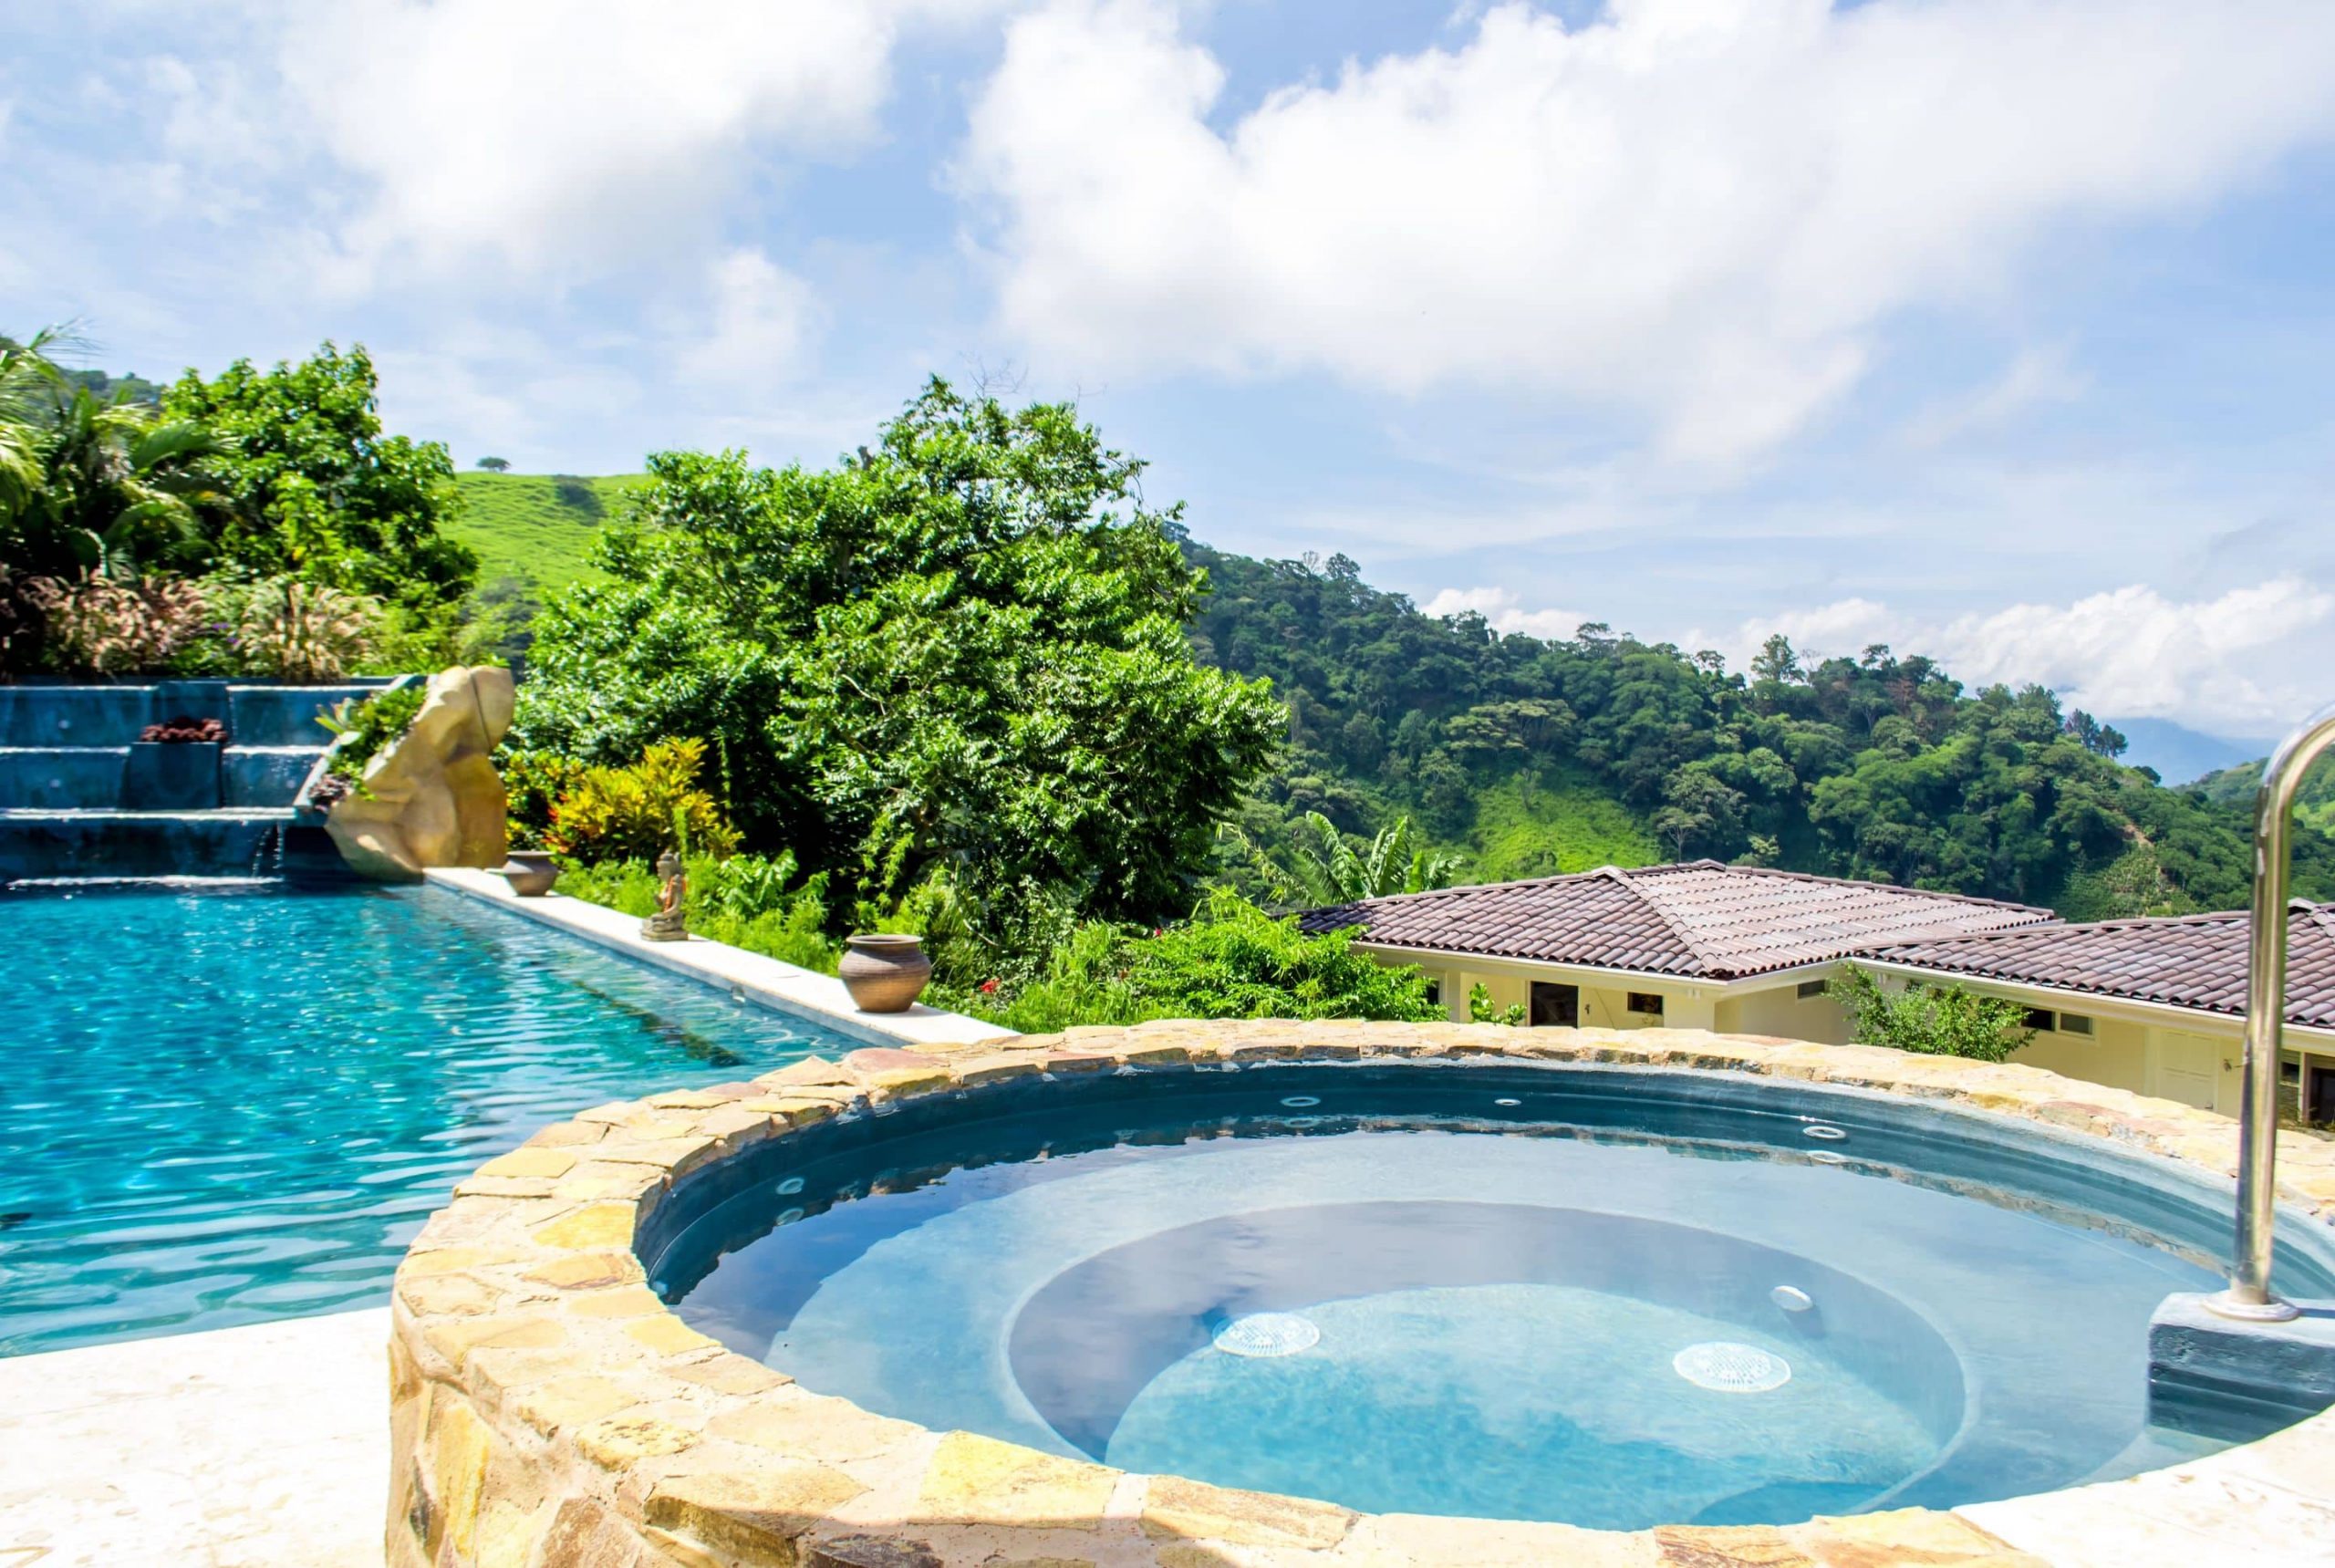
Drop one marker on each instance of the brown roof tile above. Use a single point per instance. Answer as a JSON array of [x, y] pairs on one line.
[[1700, 920], [2184, 961]]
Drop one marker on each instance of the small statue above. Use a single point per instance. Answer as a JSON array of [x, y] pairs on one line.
[[669, 923]]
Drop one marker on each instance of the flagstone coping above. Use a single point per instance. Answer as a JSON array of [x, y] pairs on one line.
[[547, 1409]]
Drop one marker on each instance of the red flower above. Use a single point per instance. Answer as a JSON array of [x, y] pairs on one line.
[[989, 988]]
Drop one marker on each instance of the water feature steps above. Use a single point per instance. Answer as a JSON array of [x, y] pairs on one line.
[[81, 796]]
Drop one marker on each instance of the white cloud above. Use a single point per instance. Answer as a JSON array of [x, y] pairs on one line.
[[2036, 376], [555, 137], [2249, 661], [1701, 209], [762, 317], [1502, 608]]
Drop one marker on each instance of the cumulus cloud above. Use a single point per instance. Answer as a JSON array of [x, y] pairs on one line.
[[762, 317], [1506, 612], [2248, 661], [551, 137], [1703, 210]]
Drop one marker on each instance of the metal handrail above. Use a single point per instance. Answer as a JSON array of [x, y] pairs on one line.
[[2250, 1295]]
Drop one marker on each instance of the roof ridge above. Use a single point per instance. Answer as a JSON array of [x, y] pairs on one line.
[[2058, 926], [1786, 873], [1710, 966]]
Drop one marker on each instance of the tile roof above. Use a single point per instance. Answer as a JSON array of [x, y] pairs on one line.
[[1701, 920], [2183, 961]]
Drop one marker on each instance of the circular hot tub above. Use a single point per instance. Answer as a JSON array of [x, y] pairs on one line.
[[1584, 1294], [1351, 1265]]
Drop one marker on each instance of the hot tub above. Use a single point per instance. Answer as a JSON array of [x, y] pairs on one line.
[[1290, 1287]]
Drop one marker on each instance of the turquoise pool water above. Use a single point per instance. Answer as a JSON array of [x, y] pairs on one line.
[[218, 1108]]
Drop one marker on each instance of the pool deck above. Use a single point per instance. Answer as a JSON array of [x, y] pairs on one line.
[[264, 1447], [765, 982]]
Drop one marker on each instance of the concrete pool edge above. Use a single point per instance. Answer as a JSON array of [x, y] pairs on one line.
[[541, 1394], [765, 982]]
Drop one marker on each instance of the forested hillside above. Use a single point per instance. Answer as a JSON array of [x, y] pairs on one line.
[[1538, 756], [1530, 757], [2315, 804]]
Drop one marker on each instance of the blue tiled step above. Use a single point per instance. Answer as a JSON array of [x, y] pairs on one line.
[[48, 843], [61, 778], [57, 715]]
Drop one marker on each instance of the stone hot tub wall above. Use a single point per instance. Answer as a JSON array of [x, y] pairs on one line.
[[548, 1410]]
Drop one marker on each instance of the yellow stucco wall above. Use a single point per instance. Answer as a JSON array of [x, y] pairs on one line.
[[2195, 1063], [1780, 1011]]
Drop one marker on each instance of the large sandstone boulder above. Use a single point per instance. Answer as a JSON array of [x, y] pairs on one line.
[[432, 797]]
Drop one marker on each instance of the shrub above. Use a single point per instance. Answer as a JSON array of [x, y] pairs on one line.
[[744, 900], [1932, 1021], [632, 813], [532, 782], [1482, 1009], [366, 725], [115, 626], [296, 631], [1230, 961]]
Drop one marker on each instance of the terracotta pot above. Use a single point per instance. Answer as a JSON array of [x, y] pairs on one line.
[[530, 872], [884, 973]]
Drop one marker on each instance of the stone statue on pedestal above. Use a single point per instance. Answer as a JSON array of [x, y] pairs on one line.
[[669, 923]]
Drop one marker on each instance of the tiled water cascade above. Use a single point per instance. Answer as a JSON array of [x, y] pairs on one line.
[[81, 796]]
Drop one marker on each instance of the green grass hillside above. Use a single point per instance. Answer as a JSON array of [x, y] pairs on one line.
[[1542, 827], [536, 526]]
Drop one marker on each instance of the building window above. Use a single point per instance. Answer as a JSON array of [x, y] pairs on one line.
[[1809, 990], [1434, 994], [2039, 1019], [1645, 1001], [2074, 1024]]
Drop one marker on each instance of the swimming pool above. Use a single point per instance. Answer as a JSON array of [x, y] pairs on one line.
[[219, 1107], [1604, 1297]]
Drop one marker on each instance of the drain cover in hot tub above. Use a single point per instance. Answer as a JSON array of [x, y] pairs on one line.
[[1731, 1369], [1268, 1334]]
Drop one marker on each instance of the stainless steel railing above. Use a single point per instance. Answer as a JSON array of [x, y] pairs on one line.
[[2249, 1294]]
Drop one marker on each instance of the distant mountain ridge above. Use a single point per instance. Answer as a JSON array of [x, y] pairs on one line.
[[2182, 755]]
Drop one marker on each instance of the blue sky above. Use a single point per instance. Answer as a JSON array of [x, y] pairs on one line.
[[1995, 328]]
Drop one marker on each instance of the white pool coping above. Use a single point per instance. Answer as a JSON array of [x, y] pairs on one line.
[[784, 987]]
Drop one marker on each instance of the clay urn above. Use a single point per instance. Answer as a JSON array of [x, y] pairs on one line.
[[530, 872], [884, 973]]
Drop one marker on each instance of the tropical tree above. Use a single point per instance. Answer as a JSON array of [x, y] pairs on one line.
[[1324, 867], [959, 654], [121, 491], [96, 493], [317, 490]]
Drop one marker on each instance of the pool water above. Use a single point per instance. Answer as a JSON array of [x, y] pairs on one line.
[[1506, 1292], [218, 1107]]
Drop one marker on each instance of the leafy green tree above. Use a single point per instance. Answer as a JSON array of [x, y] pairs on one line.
[[315, 489], [1698, 808], [960, 652], [495, 464], [1931, 1019]]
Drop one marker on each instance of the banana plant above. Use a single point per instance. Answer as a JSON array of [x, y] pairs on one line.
[[1325, 867]]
